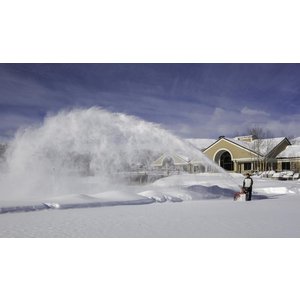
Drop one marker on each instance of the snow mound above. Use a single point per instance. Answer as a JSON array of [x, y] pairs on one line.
[[51, 205], [117, 195], [211, 192], [160, 197], [226, 180], [280, 190], [74, 198]]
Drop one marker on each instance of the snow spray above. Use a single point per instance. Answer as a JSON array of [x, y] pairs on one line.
[[85, 151]]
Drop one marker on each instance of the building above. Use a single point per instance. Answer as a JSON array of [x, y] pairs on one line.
[[246, 153], [240, 154], [289, 159], [173, 162]]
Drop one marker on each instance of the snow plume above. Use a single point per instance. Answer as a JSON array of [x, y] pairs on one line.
[[82, 151]]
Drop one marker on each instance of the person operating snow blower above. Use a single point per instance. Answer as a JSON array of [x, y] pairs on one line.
[[247, 187]]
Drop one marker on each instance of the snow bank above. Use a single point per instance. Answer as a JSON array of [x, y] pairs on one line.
[[205, 208], [176, 188]]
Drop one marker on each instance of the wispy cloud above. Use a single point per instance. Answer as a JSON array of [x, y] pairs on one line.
[[190, 100], [253, 112], [231, 123]]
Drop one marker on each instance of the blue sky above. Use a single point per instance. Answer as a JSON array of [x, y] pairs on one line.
[[191, 100]]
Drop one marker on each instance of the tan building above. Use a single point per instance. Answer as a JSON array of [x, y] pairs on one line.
[[240, 154], [246, 153]]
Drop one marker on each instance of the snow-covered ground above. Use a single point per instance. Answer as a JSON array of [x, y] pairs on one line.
[[184, 205]]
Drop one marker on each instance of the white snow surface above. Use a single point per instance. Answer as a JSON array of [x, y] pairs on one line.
[[186, 205], [290, 152], [295, 141], [263, 146]]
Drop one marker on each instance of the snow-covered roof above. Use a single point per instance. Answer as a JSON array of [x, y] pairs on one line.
[[290, 151], [264, 146], [241, 143], [177, 159], [261, 146], [201, 143], [295, 141], [182, 157]]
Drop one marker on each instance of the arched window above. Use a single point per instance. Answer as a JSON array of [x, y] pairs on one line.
[[226, 161]]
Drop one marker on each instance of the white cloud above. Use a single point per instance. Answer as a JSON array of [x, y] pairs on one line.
[[253, 112], [231, 122]]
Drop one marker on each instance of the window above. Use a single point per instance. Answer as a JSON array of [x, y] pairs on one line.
[[226, 162], [247, 166], [286, 165]]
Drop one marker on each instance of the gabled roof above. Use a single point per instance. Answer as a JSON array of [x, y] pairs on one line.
[[243, 145], [179, 160], [266, 146], [292, 151], [261, 147], [273, 150]]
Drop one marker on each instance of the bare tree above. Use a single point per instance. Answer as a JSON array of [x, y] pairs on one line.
[[262, 145]]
